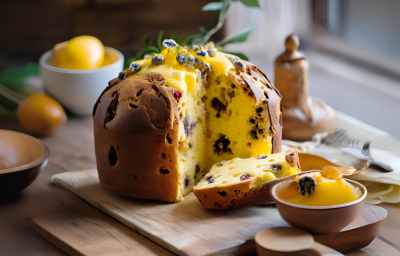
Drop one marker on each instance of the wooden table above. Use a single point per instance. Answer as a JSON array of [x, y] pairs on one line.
[[72, 149]]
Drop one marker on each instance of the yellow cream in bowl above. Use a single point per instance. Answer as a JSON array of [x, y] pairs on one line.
[[324, 188]]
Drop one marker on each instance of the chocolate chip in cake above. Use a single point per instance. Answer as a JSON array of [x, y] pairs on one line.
[[112, 156], [262, 157], [221, 145], [306, 185], [276, 167], [121, 76], [181, 59], [135, 67], [197, 168], [163, 171], [157, 60], [245, 177], [210, 179], [222, 193], [163, 155], [169, 43]]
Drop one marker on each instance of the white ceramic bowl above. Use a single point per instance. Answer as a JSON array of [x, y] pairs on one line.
[[78, 90]]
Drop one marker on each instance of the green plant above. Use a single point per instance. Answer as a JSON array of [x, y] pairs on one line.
[[221, 10]]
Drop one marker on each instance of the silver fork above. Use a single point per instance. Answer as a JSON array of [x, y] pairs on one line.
[[340, 139]]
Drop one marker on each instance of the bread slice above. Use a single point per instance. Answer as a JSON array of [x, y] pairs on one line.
[[239, 182]]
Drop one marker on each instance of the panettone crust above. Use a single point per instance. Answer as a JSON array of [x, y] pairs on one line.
[[144, 136]]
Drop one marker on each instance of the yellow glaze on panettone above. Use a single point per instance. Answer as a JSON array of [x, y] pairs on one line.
[[329, 191]]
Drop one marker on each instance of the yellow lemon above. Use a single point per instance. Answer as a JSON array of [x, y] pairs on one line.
[[40, 114], [81, 52]]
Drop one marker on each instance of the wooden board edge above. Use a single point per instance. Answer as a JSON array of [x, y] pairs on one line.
[[52, 238]]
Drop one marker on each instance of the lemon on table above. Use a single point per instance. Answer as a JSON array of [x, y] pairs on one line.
[[81, 52], [40, 114]]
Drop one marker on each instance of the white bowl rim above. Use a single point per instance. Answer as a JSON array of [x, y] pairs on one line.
[[46, 55], [275, 197], [34, 163]]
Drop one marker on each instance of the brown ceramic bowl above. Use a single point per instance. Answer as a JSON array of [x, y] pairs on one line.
[[22, 157], [319, 219]]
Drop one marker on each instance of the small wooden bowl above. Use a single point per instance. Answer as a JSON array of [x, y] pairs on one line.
[[319, 219], [22, 157]]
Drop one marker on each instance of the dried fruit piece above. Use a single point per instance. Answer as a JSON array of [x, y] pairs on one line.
[[306, 184], [212, 52], [239, 64], [202, 53], [121, 76], [262, 157], [276, 167], [177, 95], [135, 67], [169, 43], [210, 179], [157, 60], [245, 177], [181, 59]]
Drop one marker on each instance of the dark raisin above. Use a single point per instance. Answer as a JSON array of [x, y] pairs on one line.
[[210, 179], [245, 177], [222, 193], [221, 145], [307, 185], [186, 126], [197, 168], [187, 182], [163, 171], [112, 156], [218, 105], [254, 134], [276, 167], [121, 76], [190, 145], [262, 157], [259, 110], [163, 155], [219, 165], [112, 108], [135, 177], [252, 121]]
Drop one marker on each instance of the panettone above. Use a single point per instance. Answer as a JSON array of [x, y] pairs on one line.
[[239, 182], [164, 122]]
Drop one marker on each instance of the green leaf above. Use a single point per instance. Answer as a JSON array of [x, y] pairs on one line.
[[213, 6], [253, 3], [159, 40], [145, 40], [240, 36], [240, 55]]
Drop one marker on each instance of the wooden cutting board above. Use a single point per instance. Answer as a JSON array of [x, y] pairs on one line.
[[188, 229]]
